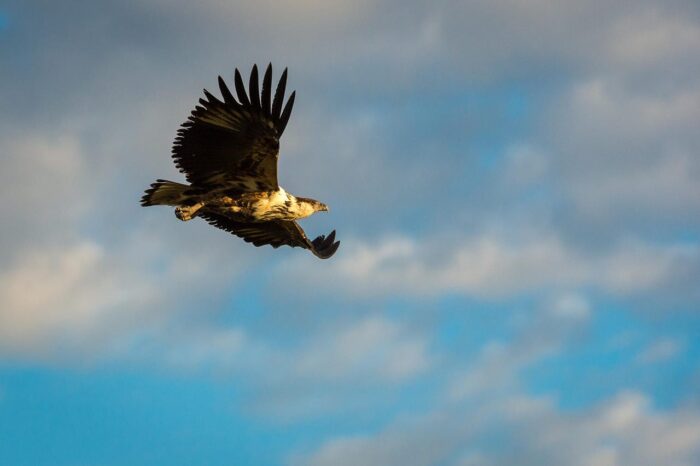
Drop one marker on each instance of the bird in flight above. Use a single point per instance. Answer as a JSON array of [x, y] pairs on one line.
[[228, 152]]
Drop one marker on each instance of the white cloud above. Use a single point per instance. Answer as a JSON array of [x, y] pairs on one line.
[[81, 272], [82, 300], [196, 348], [493, 422], [56, 289], [623, 134], [373, 347], [334, 369], [313, 15], [571, 306], [37, 168], [496, 368], [63, 292], [50, 293], [651, 37], [660, 350], [608, 113], [524, 165], [485, 416], [43, 185], [497, 265], [672, 177]]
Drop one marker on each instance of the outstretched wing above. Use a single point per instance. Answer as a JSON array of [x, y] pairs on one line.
[[235, 142], [275, 233]]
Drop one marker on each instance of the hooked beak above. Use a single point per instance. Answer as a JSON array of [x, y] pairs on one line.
[[324, 208]]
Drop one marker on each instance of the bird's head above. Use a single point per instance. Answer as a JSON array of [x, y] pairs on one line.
[[310, 206]]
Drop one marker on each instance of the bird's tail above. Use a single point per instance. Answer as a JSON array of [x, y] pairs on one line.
[[164, 192]]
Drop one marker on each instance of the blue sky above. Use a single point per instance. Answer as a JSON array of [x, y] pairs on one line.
[[514, 185]]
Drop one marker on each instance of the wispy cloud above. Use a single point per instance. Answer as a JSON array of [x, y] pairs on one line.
[[491, 420], [660, 350], [499, 265], [625, 430]]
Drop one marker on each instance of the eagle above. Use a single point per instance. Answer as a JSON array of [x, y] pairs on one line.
[[228, 151]]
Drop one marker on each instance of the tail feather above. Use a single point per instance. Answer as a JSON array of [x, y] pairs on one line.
[[164, 192]]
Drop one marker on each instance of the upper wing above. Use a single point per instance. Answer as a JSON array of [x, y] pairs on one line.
[[275, 233], [235, 142]]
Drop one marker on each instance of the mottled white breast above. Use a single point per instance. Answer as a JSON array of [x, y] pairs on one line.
[[279, 197], [281, 205], [274, 206]]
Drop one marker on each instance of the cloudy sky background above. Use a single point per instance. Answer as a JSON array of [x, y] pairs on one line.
[[515, 184]]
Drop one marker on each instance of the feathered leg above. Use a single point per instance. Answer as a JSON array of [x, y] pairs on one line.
[[188, 212]]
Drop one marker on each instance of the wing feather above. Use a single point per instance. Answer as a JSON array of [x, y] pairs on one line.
[[279, 95], [235, 142], [266, 91], [253, 88], [275, 233], [240, 89], [225, 93], [284, 118]]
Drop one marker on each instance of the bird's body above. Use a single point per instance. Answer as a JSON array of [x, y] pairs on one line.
[[228, 151], [260, 206]]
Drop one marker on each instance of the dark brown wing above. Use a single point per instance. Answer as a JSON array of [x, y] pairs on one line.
[[275, 233], [235, 142]]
